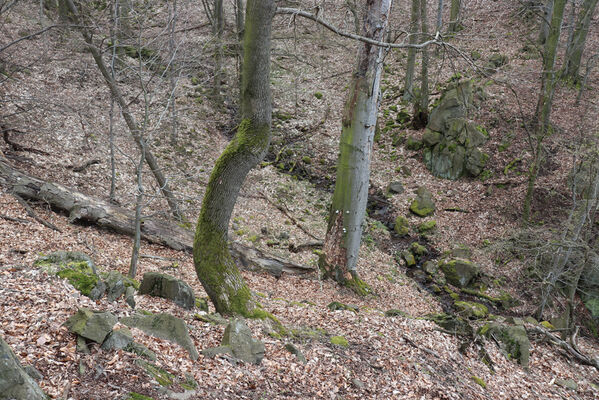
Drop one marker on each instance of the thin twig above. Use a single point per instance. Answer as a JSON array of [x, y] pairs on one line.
[[33, 215], [286, 212]]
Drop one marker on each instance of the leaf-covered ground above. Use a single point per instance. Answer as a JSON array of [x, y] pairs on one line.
[[55, 100]]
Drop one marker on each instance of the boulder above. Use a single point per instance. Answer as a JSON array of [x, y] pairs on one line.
[[130, 296], [402, 226], [118, 339], [472, 310], [92, 325], [168, 287], [164, 326], [15, 383], [451, 140], [73, 266], [115, 285], [395, 188], [238, 341], [423, 205], [453, 104], [458, 271], [512, 339]]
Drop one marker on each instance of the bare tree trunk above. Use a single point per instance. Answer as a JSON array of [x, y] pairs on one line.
[[454, 16], [240, 24], [214, 265], [129, 119], [545, 101], [218, 51], [576, 46], [343, 237], [439, 26], [172, 73], [137, 224], [421, 105], [408, 93], [546, 21]]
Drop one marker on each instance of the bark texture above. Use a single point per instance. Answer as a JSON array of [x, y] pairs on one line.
[[342, 241], [575, 49], [213, 261], [545, 100], [411, 62]]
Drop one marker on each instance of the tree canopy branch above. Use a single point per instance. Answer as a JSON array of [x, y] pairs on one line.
[[332, 28]]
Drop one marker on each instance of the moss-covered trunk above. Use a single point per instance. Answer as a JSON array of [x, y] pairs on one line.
[[214, 265], [576, 46], [342, 241], [545, 101]]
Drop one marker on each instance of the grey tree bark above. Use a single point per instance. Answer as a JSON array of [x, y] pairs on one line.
[[454, 16], [546, 21], [218, 51], [575, 49], [408, 93], [545, 102], [420, 118], [343, 237], [214, 265]]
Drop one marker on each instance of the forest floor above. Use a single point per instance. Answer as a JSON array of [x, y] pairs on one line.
[[56, 102]]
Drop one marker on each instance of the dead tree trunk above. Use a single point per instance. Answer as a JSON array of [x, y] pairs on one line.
[[82, 208]]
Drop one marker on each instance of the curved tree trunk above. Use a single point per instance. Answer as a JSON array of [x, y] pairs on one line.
[[574, 52], [342, 241], [214, 265]]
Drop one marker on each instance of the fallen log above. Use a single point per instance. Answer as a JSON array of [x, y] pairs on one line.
[[87, 209]]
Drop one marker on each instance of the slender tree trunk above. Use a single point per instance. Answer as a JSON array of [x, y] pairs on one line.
[[454, 16], [546, 21], [408, 93], [128, 117], [343, 237], [218, 51], [545, 101], [240, 24], [172, 73], [421, 105], [214, 265], [576, 46], [137, 224], [439, 26]]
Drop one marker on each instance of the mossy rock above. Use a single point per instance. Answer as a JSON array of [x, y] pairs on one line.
[[513, 340], [430, 267], [418, 250], [396, 313], [459, 272], [471, 310], [402, 226], [451, 323], [137, 396], [408, 258], [413, 144], [423, 205], [431, 138], [335, 305], [427, 226], [76, 267], [162, 376], [339, 341]]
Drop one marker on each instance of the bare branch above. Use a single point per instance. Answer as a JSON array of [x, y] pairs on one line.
[[294, 11]]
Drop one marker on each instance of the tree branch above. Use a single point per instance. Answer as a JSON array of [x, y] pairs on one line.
[[332, 28]]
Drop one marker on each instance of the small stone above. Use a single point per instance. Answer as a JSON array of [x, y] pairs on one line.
[[202, 304], [459, 272], [118, 339], [168, 287], [423, 204], [567, 383], [430, 267], [418, 249], [295, 351], [243, 346], [408, 257], [396, 188], [402, 226], [357, 383], [92, 325], [81, 346], [130, 296]]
